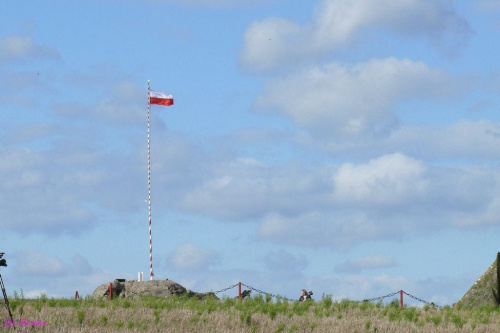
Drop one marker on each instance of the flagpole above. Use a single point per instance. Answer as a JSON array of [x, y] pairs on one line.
[[149, 194]]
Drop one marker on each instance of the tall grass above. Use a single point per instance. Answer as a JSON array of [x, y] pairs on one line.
[[257, 314]]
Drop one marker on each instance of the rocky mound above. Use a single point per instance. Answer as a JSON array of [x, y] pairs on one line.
[[486, 289], [155, 288]]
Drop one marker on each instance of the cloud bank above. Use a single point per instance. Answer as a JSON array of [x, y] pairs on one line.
[[273, 42]]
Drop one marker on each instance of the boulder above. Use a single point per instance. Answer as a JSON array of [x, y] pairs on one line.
[[155, 288]]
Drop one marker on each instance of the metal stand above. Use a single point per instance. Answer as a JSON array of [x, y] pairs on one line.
[[6, 300]]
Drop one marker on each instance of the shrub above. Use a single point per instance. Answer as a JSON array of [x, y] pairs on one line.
[[80, 315], [327, 301]]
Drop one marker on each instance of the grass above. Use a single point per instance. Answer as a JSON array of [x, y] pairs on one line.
[[257, 314]]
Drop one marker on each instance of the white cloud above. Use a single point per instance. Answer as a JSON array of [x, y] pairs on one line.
[[35, 293], [273, 41], [391, 197], [31, 263], [339, 20], [474, 141], [371, 262], [122, 105], [35, 272], [269, 41], [33, 185], [324, 205], [353, 100], [61, 189], [463, 140], [14, 48], [189, 257], [245, 189], [34, 263], [387, 180], [321, 229]]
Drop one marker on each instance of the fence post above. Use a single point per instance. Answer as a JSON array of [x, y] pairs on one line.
[[401, 298], [239, 290], [76, 295], [110, 291]]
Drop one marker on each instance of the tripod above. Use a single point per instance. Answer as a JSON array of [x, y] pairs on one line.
[[5, 298]]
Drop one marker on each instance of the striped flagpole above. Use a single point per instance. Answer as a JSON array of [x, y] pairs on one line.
[[149, 197]]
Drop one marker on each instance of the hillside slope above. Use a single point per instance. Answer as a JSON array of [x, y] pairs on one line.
[[481, 293]]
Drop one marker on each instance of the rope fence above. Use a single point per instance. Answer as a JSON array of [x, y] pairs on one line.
[[380, 298]]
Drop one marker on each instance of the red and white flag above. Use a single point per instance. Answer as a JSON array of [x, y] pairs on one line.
[[160, 98]]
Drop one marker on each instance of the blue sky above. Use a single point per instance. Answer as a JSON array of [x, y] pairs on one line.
[[346, 147]]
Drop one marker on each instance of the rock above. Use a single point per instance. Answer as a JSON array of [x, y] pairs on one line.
[[155, 288]]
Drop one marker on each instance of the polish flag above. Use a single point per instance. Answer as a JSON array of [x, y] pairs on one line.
[[160, 98]]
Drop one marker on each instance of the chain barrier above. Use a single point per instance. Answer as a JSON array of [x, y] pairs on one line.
[[230, 287], [421, 300], [263, 292], [378, 298], [365, 300]]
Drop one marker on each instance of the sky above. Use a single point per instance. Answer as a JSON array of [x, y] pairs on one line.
[[348, 147]]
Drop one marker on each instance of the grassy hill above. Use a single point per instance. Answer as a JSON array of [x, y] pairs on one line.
[[481, 293]]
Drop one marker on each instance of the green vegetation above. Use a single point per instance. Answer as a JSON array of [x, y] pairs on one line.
[[486, 290], [257, 314]]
